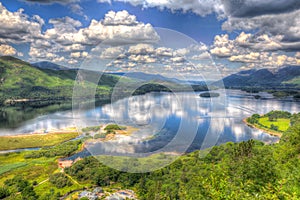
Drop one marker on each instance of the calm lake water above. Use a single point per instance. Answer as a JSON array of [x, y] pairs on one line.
[[168, 122]]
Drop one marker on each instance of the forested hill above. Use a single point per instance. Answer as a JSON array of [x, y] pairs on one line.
[[20, 80]]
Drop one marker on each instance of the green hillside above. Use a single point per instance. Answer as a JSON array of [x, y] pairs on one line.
[[20, 80], [17, 74], [294, 81]]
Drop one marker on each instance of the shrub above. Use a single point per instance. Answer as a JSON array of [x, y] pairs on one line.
[[4, 192], [114, 127], [60, 180]]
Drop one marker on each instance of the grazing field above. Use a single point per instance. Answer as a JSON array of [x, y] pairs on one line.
[[35, 140], [283, 124]]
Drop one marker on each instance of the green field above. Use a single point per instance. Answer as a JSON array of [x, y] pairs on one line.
[[283, 124], [35, 170], [34, 140]]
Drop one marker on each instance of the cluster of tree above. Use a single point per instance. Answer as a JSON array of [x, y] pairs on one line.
[[278, 92], [254, 119], [274, 127], [209, 94], [295, 118], [111, 128], [63, 150], [60, 180], [19, 185], [276, 114], [285, 93]]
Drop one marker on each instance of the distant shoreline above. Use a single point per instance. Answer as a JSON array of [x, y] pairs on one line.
[[268, 131]]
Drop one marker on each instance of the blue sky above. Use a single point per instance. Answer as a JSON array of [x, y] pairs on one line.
[[233, 35], [207, 27]]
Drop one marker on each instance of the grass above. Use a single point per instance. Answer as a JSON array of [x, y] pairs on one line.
[[9, 167], [138, 165], [283, 124], [32, 169], [34, 140]]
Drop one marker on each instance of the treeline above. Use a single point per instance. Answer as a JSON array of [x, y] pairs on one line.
[[272, 116], [276, 92]]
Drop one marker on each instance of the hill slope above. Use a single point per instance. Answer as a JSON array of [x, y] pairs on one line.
[[283, 78], [20, 80]]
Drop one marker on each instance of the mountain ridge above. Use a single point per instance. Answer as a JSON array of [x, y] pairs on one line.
[[266, 78]]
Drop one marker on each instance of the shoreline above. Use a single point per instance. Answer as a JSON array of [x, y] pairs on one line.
[[272, 133]]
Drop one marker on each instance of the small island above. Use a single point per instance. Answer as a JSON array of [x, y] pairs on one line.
[[274, 123], [209, 94], [107, 132]]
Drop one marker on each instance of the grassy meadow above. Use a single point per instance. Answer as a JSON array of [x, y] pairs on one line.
[[283, 124], [35, 140]]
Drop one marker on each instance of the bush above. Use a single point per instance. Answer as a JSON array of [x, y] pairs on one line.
[[111, 127], [4, 192], [60, 180], [273, 127], [253, 119]]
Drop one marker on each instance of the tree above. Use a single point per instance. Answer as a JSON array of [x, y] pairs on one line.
[[273, 127]]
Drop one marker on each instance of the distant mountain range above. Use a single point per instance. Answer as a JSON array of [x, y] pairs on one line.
[[263, 78], [49, 65], [133, 75], [156, 77]]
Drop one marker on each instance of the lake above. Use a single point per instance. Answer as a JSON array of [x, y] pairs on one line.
[[167, 122]]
